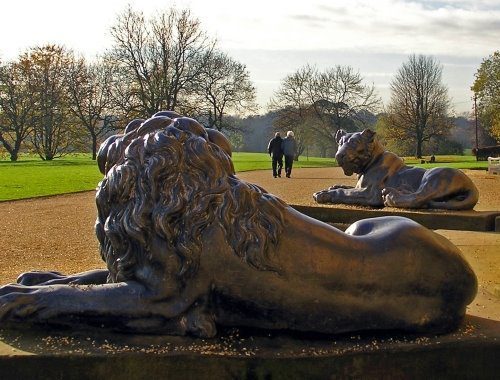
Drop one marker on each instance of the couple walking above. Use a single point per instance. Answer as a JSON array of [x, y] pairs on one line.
[[278, 148]]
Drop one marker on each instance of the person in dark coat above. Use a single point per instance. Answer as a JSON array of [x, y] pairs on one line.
[[289, 146], [276, 153]]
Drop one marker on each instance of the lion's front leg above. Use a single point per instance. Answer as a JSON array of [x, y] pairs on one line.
[[369, 196], [37, 277], [340, 187], [98, 276], [125, 307]]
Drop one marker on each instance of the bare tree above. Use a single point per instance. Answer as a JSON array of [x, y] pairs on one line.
[[323, 101], [223, 86], [341, 99], [16, 107], [51, 120], [419, 104], [292, 102], [157, 59], [89, 89]]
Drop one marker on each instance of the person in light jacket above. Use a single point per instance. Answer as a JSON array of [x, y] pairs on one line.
[[276, 153], [289, 147]]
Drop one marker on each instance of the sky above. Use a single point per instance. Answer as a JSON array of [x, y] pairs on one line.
[[275, 38]]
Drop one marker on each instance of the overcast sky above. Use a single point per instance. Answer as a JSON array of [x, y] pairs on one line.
[[275, 38]]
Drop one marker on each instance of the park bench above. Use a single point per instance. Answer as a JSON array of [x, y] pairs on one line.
[[493, 165]]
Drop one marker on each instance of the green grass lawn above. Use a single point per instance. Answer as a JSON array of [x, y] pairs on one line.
[[457, 162], [31, 177], [255, 161]]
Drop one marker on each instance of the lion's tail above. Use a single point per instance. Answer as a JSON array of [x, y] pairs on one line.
[[466, 200]]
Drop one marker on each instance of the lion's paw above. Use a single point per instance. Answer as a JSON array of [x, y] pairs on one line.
[[389, 190], [334, 187], [397, 198], [390, 196], [200, 323], [16, 304], [323, 196]]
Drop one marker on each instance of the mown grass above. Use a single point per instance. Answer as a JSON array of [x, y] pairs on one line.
[[31, 177], [457, 162], [255, 161]]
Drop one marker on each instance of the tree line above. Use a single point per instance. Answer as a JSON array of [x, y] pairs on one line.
[[486, 89], [316, 104], [53, 100]]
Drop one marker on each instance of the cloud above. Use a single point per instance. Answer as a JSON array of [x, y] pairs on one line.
[[334, 9], [429, 27], [268, 68], [310, 21], [309, 18], [462, 4]]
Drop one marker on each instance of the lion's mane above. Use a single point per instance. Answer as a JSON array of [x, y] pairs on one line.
[[172, 184]]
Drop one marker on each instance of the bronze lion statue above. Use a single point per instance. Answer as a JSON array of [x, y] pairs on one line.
[[189, 246], [385, 180]]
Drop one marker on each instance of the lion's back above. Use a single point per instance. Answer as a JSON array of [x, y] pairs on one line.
[[390, 171], [406, 177]]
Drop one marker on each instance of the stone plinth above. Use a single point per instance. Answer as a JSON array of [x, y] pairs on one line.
[[470, 352], [434, 219]]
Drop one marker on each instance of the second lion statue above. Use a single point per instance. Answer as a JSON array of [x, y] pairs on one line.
[[385, 180], [188, 246]]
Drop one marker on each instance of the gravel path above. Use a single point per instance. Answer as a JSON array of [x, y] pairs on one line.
[[56, 233], [305, 182]]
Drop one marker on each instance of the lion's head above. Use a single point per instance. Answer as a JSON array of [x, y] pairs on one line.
[[166, 179], [356, 150]]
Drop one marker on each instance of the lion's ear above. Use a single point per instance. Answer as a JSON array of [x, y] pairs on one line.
[[191, 125], [133, 125], [339, 134], [170, 114], [368, 134], [102, 154], [218, 138]]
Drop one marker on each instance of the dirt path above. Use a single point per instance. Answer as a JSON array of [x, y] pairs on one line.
[[57, 233]]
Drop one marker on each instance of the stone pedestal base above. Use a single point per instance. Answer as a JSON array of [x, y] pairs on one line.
[[433, 219], [470, 352]]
